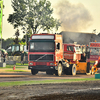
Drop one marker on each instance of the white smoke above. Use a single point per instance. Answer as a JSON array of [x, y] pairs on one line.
[[74, 17]]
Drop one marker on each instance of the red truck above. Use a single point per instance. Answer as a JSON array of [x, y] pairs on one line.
[[76, 54], [48, 53], [94, 56]]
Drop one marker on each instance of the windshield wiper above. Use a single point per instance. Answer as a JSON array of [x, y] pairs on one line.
[[40, 57]]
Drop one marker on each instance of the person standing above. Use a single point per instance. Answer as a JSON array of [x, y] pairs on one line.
[[22, 57], [3, 55], [0, 55]]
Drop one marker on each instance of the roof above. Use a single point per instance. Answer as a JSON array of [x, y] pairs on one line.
[[79, 37]]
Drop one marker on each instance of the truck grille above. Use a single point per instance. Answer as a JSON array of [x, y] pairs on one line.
[[42, 57], [41, 63]]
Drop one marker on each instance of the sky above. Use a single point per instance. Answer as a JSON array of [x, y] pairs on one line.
[[75, 15]]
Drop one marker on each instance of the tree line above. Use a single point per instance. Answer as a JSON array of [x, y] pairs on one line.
[[11, 41], [31, 16]]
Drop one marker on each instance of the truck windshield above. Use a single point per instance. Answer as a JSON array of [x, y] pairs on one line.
[[42, 47], [77, 48], [15, 48], [95, 51]]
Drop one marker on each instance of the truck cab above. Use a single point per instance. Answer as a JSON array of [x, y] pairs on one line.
[[72, 52], [45, 52], [76, 54], [94, 56], [16, 49]]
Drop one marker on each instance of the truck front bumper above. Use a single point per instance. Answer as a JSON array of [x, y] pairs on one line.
[[42, 68]]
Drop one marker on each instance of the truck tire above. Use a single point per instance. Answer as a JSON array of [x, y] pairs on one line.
[[59, 71], [88, 67], [72, 69], [92, 70], [33, 71]]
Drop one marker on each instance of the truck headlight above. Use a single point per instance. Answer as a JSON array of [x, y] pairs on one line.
[[31, 63], [51, 63]]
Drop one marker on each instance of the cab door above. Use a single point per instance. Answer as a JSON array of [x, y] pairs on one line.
[[68, 52]]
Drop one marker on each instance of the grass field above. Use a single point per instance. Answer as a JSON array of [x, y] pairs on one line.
[[5, 84], [11, 66], [18, 68], [19, 64]]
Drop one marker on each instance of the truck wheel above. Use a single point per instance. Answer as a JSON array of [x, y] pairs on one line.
[[33, 71], [59, 71], [88, 71], [72, 69], [88, 67], [92, 70]]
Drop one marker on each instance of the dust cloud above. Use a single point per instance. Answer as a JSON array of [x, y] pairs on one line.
[[74, 17]]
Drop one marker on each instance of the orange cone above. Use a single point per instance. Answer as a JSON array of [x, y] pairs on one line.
[[14, 67]]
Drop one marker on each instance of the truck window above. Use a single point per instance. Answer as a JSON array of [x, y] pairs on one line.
[[83, 49], [58, 46], [42, 47], [70, 48], [9, 49], [15, 48], [77, 49], [94, 51], [31, 45]]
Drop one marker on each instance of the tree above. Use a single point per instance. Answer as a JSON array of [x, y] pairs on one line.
[[16, 39], [33, 15], [6, 43], [1, 14]]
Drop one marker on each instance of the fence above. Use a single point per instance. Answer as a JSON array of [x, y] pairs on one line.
[[15, 59]]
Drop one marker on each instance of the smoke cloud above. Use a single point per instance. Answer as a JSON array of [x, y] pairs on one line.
[[74, 17]]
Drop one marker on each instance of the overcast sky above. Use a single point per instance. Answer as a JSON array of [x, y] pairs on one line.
[[76, 15]]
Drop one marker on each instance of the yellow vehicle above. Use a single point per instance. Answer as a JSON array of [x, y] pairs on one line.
[[76, 54], [94, 57]]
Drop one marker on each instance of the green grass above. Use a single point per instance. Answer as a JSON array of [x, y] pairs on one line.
[[7, 66], [19, 64], [11, 66], [15, 83]]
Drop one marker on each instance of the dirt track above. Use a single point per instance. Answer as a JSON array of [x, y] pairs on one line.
[[65, 91], [23, 76]]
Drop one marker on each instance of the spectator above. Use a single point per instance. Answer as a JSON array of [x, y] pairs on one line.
[[3, 55], [0, 55], [83, 57], [22, 57]]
